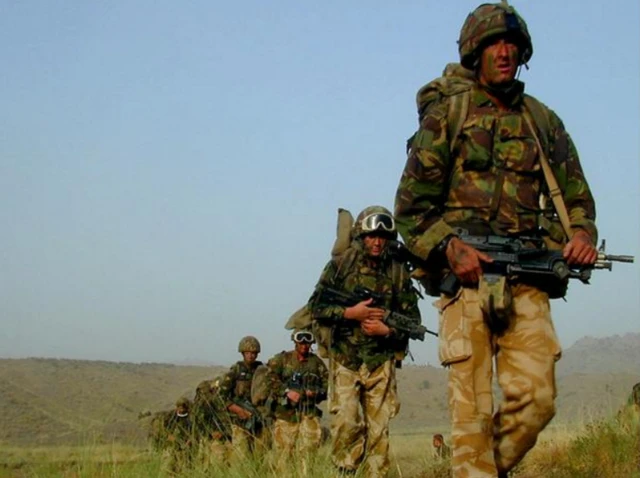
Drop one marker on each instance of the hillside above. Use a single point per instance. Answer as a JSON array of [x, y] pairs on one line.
[[53, 401]]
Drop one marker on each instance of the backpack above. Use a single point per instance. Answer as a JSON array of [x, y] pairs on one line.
[[456, 83], [344, 252]]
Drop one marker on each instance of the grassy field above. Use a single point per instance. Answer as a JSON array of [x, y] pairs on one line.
[[605, 448]]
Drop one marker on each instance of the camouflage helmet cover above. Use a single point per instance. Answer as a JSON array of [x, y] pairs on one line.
[[183, 402], [249, 344], [359, 228], [487, 21]]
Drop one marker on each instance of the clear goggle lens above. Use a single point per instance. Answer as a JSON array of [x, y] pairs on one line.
[[303, 337], [375, 222]]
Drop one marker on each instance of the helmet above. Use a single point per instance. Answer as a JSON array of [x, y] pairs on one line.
[[374, 218], [303, 336], [487, 21], [183, 402], [249, 344]]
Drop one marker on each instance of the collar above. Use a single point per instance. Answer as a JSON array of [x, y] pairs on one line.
[[512, 97]]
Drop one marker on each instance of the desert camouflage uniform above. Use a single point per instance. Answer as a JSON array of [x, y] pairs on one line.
[[490, 184], [297, 426], [236, 387], [363, 396]]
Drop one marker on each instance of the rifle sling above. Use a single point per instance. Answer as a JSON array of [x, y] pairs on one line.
[[554, 190]]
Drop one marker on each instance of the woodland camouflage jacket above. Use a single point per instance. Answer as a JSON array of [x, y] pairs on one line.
[[349, 346], [236, 383], [289, 373], [492, 180]]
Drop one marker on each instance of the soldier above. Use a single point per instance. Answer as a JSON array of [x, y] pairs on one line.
[[441, 451], [363, 349], [177, 442], [300, 381], [235, 391], [477, 163], [212, 422]]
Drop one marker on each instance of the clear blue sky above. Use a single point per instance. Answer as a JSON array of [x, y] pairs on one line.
[[170, 171]]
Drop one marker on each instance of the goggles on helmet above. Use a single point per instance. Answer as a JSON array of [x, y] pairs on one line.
[[377, 221], [304, 337]]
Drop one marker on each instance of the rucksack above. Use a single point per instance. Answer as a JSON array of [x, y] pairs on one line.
[[456, 83]]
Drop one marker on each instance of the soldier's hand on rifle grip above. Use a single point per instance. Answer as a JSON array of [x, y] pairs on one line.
[[580, 250], [293, 396], [361, 311], [465, 261]]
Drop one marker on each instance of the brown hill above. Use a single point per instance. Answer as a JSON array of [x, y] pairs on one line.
[[52, 401]]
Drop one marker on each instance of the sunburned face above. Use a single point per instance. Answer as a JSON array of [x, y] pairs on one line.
[[499, 62], [374, 244]]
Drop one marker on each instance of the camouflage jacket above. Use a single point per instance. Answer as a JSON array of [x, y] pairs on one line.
[[289, 373], [236, 383], [211, 418], [349, 346], [491, 182], [169, 431]]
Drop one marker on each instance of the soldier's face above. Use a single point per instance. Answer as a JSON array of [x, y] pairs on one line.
[[303, 348], [499, 62], [374, 244], [249, 357]]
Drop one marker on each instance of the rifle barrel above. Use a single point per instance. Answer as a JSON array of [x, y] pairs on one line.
[[610, 257]]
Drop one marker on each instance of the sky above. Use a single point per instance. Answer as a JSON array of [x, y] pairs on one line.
[[170, 172]]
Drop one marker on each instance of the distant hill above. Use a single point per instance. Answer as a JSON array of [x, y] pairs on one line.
[[54, 401], [616, 354]]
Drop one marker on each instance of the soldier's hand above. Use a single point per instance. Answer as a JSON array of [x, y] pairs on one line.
[[310, 393], [293, 396], [580, 250], [374, 327], [361, 311], [239, 411], [465, 261]]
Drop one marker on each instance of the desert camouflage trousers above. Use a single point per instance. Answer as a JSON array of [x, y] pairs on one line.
[[243, 443], [302, 438], [213, 453], [525, 356], [361, 404]]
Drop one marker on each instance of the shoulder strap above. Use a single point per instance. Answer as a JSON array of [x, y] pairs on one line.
[[456, 115], [552, 183]]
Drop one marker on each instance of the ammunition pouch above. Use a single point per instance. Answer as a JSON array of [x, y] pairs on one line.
[[495, 301]]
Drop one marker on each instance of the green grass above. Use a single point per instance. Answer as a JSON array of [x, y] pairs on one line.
[[603, 449]]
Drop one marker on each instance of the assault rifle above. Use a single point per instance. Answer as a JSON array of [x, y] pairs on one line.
[[526, 257], [255, 422], [393, 320], [302, 382]]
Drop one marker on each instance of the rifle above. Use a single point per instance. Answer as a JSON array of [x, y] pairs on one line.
[[255, 422], [527, 257], [394, 320], [303, 382]]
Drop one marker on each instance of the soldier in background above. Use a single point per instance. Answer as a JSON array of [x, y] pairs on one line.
[[175, 437], [212, 422], [235, 392], [363, 350], [441, 451], [300, 381]]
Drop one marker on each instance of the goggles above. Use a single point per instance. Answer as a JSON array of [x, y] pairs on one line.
[[376, 221], [304, 337]]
